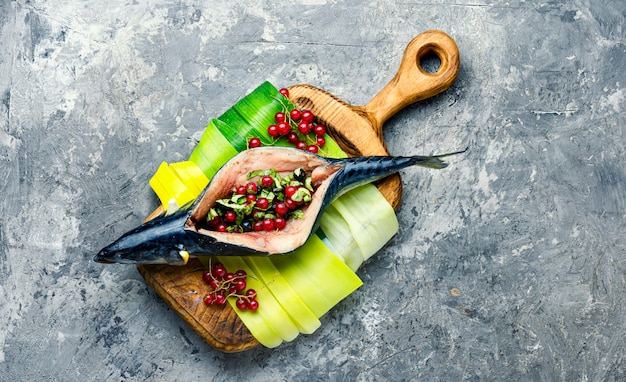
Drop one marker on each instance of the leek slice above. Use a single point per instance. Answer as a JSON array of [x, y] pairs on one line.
[[304, 319], [262, 330], [251, 116], [195, 181], [213, 150], [372, 223], [270, 316], [336, 231], [320, 278], [180, 182]]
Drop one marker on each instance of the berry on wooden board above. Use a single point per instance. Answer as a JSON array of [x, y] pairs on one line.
[[226, 285]]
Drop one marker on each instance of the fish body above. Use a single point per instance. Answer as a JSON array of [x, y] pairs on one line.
[[171, 239]]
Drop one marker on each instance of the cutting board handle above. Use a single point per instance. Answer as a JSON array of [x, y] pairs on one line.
[[412, 83]]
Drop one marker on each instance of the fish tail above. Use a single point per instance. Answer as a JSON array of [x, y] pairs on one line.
[[433, 161], [359, 170]]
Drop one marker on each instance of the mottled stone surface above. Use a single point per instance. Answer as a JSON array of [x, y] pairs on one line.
[[509, 265]]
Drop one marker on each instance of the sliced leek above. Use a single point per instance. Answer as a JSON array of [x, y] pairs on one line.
[[371, 219], [178, 184], [213, 150], [269, 325], [304, 319], [319, 277], [339, 238]]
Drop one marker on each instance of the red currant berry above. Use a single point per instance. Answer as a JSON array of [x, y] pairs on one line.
[[262, 203], [281, 209], [284, 91], [291, 204], [241, 303], [209, 299], [219, 270], [229, 276], [258, 226], [321, 141], [240, 284], [319, 130], [284, 128], [251, 294], [290, 190], [221, 227], [267, 181], [272, 130], [250, 198], [295, 114], [252, 188], [312, 149], [241, 190], [214, 222], [280, 222], [292, 138], [253, 305], [307, 116], [241, 273], [214, 284], [303, 127], [268, 224], [207, 276], [254, 142], [279, 117], [230, 216], [301, 145], [220, 298]]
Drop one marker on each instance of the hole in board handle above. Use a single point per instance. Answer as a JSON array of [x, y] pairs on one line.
[[430, 62]]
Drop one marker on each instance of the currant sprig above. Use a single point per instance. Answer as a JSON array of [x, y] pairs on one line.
[[226, 285], [297, 126]]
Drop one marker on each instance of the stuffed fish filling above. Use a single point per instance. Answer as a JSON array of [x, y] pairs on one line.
[[266, 201]]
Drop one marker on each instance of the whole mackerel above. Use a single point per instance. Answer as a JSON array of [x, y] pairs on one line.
[[172, 239]]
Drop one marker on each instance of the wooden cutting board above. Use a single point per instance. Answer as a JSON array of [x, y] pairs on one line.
[[358, 130]]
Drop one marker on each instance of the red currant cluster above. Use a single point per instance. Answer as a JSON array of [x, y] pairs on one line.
[[226, 284], [265, 203], [298, 129]]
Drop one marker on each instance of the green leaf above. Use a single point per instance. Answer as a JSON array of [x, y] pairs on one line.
[[230, 204]]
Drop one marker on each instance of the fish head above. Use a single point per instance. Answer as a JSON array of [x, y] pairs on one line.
[[158, 241], [115, 254]]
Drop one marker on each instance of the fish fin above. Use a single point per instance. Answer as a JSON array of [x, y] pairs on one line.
[[172, 206], [434, 161]]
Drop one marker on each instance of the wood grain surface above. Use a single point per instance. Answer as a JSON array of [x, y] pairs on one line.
[[359, 131]]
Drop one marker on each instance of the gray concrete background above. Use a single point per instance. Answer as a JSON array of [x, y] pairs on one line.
[[528, 225]]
